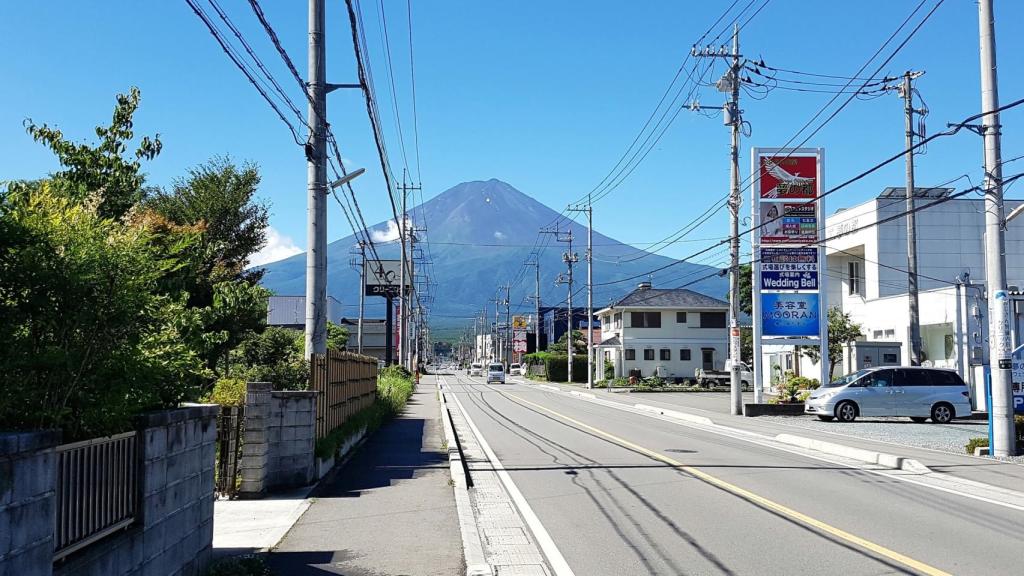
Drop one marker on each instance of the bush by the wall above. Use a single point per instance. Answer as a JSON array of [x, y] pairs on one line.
[[227, 392]]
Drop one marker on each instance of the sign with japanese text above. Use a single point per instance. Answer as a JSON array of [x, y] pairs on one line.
[[519, 322], [790, 314], [789, 222], [789, 268], [789, 177], [382, 277]]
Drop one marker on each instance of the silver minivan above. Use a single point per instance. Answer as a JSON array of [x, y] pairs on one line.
[[496, 373], [918, 393]]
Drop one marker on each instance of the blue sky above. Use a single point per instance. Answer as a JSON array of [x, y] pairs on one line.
[[543, 95]]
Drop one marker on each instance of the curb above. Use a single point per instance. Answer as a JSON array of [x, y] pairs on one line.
[[879, 458], [703, 420], [472, 545]]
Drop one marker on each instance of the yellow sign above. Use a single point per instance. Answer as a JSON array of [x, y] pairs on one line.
[[519, 322]]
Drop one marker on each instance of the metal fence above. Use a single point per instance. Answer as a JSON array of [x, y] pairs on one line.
[[97, 490], [347, 383], [230, 426]]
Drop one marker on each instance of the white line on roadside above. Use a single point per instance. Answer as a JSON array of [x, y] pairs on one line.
[[547, 544]]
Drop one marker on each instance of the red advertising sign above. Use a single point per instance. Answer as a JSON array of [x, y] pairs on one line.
[[792, 177]]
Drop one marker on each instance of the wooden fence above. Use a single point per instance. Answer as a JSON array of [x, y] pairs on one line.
[[347, 383]]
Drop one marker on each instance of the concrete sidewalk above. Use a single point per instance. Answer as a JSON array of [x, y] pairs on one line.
[[390, 510]]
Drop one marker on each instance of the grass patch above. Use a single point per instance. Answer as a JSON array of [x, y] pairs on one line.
[[394, 388]]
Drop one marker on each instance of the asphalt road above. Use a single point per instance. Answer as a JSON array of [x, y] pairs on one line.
[[621, 494]]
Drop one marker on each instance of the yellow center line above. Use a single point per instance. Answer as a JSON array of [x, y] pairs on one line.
[[750, 496]]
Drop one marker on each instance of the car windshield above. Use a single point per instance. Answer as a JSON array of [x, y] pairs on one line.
[[846, 379], [514, 366], [496, 367]]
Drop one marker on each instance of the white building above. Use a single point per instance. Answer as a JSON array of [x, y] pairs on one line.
[[867, 277], [668, 332]]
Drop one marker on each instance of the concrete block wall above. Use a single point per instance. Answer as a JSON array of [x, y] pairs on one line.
[[252, 469], [28, 468], [173, 533], [280, 440], [292, 429]]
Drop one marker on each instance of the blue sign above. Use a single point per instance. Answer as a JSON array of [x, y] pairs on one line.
[[790, 314]]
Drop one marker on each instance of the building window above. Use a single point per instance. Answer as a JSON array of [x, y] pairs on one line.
[[617, 322], [890, 334], [645, 319], [684, 354], [665, 354], [630, 354], [877, 335], [680, 317], [712, 319], [649, 354], [889, 358], [856, 278]]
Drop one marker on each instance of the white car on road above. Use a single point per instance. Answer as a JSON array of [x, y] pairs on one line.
[[915, 392], [476, 369], [496, 373]]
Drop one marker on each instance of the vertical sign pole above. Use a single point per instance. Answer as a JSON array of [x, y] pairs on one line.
[[822, 277], [755, 271]]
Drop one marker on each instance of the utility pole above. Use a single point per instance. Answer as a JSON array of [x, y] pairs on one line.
[[536, 300], [1003, 434], [405, 298], [570, 258], [589, 210], [507, 349], [733, 117], [362, 296], [316, 178], [906, 91]]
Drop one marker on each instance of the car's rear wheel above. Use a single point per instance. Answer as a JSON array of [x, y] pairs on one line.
[[942, 413], [824, 418], [919, 419], [846, 411]]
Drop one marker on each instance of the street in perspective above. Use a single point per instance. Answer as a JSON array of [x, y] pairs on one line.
[[404, 288]]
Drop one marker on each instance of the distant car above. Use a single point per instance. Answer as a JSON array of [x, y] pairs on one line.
[[515, 370], [496, 373], [476, 369], [918, 393]]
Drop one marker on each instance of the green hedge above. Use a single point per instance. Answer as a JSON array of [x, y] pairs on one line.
[[557, 368]]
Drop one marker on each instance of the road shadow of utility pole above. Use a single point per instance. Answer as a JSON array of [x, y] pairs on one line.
[[312, 564]]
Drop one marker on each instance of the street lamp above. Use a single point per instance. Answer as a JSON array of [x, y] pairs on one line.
[[348, 178]]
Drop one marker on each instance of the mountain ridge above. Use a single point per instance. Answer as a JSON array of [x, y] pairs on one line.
[[479, 233]]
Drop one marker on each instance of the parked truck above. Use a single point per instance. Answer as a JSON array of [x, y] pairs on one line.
[[723, 377]]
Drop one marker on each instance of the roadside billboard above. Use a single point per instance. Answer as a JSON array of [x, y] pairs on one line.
[[382, 277], [788, 253]]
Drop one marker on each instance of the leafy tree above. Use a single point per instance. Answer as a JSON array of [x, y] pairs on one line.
[[275, 356], [562, 347], [841, 331], [87, 338], [746, 289], [337, 337], [104, 169], [220, 198]]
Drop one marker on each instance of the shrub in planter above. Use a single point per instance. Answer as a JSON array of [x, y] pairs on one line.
[[976, 443]]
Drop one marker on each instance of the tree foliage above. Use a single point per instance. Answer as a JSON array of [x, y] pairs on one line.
[[104, 169], [115, 299], [841, 331]]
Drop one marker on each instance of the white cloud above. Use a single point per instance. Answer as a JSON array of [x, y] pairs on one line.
[[499, 236], [391, 233], [278, 247]]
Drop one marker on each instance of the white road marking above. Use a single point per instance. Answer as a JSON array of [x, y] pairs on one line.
[[547, 544]]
